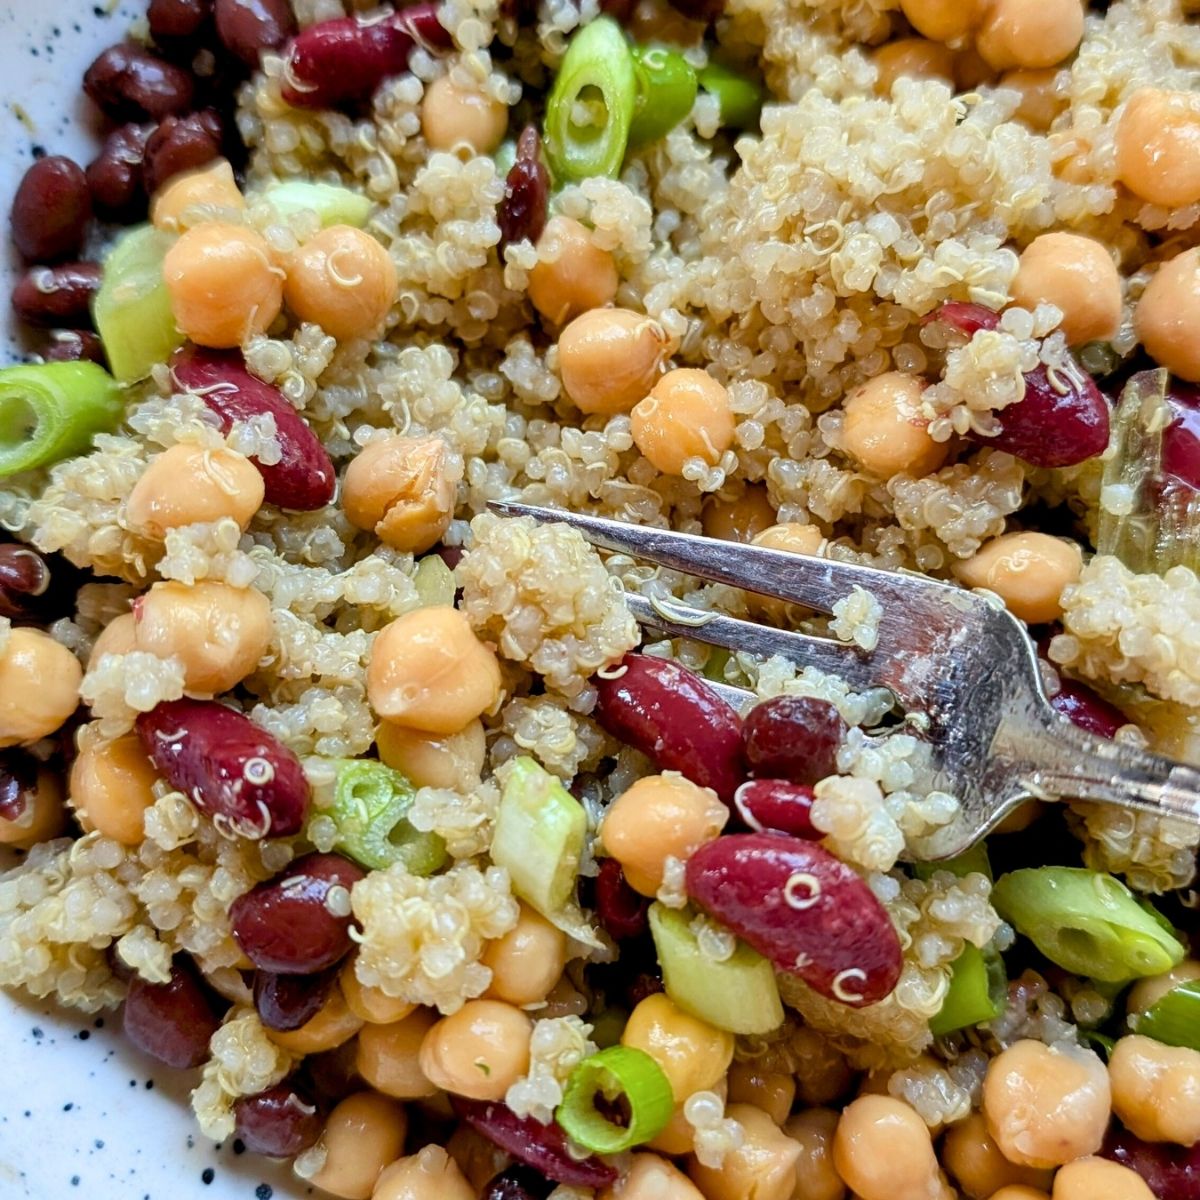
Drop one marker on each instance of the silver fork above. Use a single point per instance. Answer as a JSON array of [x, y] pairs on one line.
[[960, 660]]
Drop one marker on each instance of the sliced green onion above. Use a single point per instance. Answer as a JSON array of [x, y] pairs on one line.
[[434, 582], [978, 990], [132, 309], [1100, 1042], [740, 97], [608, 1027], [714, 668], [619, 1071], [591, 104], [370, 807], [52, 410], [1174, 1019], [505, 157], [1087, 922], [1099, 359], [333, 205], [969, 862], [539, 837], [666, 92], [738, 993]]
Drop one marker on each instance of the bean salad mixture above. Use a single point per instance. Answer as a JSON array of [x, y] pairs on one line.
[[377, 813]]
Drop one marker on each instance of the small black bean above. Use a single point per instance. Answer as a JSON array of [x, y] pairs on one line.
[[177, 18], [180, 144], [50, 210], [131, 84], [518, 1182], [60, 295], [522, 212], [248, 27], [115, 174], [18, 779], [74, 345], [286, 1002]]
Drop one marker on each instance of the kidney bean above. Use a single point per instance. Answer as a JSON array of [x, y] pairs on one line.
[[248, 27], [170, 19], [280, 1122], [18, 779], [793, 737], [543, 1147], [518, 1182], [233, 770], [522, 212], [344, 60], [59, 295], [172, 1022], [1171, 1172], [72, 345], [180, 144], [643, 984], [129, 83], [1081, 706], [621, 911], [50, 210], [114, 176], [662, 709], [291, 924], [286, 1002], [304, 478], [333, 1074], [34, 586], [1181, 439], [777, 806], [805, 910]]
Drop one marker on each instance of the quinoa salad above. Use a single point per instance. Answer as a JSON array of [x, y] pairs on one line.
[[376, 813]]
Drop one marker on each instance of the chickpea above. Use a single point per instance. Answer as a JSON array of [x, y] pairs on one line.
[[942, 20], [912, 58], [112, 785], [795, 539], [453, 116], [404, 490], [772, 1091], [332, 1026], [1029, 33], [1021, 817], [187, 199], [1156, 1089], [223, 284], [1046, 1105], [884, 430], [429, 672], [1158, 147], [652, 1178], [43, 817], [764, 1166], [1077, 275], [823, 1074], [882, 1149], [219, 632], [527, 961], [188, 484], [479, 1051], [117, 637], [1166, 316], [1146, 993], [978, 1167], [363, 1134], [39, 686], [477, 1158], [572, 274], [676, 1138], [1018, 1192], [343, 280], [970, 71], [816, 1177], [693, 1054], [452, 761], [371, 1004], [609, 358], [740, 520], [388, 1056], [1099, 1179], [430, 1174], [686, 415], [1028, 571], [660, 816], [1040, 100]]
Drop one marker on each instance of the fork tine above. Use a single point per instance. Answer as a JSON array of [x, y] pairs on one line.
[[833, 658]]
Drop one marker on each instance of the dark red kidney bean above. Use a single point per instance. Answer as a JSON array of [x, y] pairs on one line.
[[333, 1074], [246, 780], [115, 175], [793, 737], [50, 210], [18, 779], [286, 1002], [543, 1147], [522, 212], [24, 580], [248, 27], [177, 18], [280, 1122], [621, 911], [518, 1182], [59, 295], [1181, 439], [74, 345], [344, 60], [180, 144], [777, 806], [1084, 708], [287, 924], [673, 716], [802, 908], [642, 985], [304, 478], [129, 83], [172, 1022], [1171, 1172]]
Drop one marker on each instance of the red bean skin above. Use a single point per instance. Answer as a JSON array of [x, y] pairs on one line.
[[518, 1183], [180, 144], [18, 780], [665, 711], [50, 210], [114, 176], [286, 1002], [1171, 1172], [280, 1122], [74, 345], [522, 212], [1084, 708], [621, 911], [777, 806], [285, 925], [34, 586], [60, 295], [177, 18], [172, 1022], [802, 908], [793, 737], [304, 478], [248, 27], [128, 83], [1181, 439], [236, 773]]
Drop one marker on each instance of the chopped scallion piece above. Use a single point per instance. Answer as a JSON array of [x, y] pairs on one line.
[[50, 411], [666, 92], [608, 1027], [333, 205], [969, 862], [978, 988], [1087, 922], [505, 157], [591, 104], [740, 97], [1175, 1019], [434, 582], [618, 1073]]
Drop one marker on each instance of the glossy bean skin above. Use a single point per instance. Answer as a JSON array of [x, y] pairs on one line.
[[180, 144], [114, 176], [1181, 439], [280, 1122], [55, 296], [74, 345], [248, 27], [172, 1022], [35, 586], [286, 924], [304, 478], [522, 212], [665, 711], [285, 1002], [50, 210], [777, 806], [235, 772], [1082, 707], [18, 778], [518, 1182], [1170, 1172], [793, 737], [177, 18], [129, 83], [621, 911], [802, 908]]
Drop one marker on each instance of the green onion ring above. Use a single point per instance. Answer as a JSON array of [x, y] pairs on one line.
[[617, 1071]]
